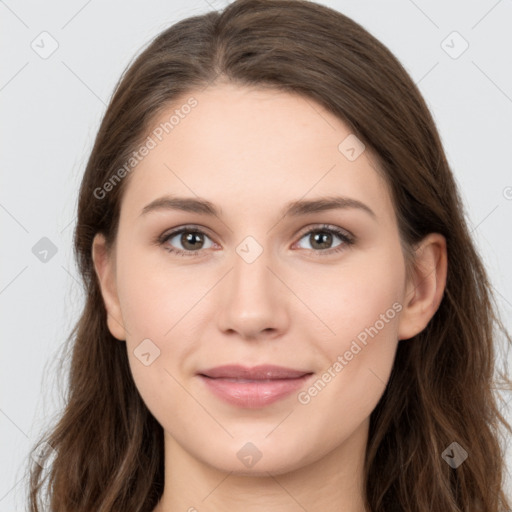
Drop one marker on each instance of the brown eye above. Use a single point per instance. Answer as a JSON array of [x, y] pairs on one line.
[[191, 241], [321, 239]]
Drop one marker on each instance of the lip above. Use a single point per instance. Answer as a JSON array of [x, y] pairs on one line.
[[253, 387]]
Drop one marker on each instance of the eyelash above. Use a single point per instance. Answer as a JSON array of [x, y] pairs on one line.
[[347, 240]]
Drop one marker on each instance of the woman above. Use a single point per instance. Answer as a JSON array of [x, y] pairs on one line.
[[220, 363]]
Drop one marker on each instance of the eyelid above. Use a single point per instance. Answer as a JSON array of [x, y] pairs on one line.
[[328, 227], [192, 228]]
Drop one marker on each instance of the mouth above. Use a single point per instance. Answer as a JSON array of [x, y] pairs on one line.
[[253, 387]]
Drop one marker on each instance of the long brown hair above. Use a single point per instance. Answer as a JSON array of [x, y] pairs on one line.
[[108, 448]]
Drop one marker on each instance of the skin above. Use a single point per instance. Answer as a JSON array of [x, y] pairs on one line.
[[250, 151]]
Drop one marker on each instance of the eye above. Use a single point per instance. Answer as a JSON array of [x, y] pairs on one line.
[[192, 240], [322, 237]]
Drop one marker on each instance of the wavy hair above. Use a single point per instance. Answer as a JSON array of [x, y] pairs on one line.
[[108, 448]]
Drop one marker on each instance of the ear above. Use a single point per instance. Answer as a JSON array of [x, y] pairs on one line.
[[425, 287], [104, 265]]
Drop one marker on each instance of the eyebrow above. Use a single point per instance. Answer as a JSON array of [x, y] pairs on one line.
[[293, 208]]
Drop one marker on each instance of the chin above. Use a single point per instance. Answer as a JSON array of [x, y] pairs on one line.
[[249, 461]]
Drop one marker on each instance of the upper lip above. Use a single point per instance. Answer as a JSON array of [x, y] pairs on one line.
[[261, 372]]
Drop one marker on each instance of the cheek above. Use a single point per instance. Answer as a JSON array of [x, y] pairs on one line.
[[354, 296], [362, 311], [154, 310], [157, 302], [153, 295]]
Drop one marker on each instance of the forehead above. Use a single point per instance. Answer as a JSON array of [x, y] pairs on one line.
[[254, 149]]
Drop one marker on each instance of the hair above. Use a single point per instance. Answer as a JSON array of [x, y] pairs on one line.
[[109, 452]]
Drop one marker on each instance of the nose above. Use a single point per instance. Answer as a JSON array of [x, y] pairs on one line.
[[253, 299]]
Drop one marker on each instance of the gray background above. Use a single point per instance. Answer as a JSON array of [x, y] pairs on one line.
[[51, 108]]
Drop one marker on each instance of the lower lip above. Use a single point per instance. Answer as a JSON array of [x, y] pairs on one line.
[[253, 394]]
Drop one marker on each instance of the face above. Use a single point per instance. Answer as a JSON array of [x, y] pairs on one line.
[[321, 291]]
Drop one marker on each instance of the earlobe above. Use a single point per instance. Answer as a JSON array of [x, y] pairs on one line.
[[104, 266], [425, 289]]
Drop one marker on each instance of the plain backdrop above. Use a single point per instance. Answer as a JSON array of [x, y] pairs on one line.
[[60, 63]]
